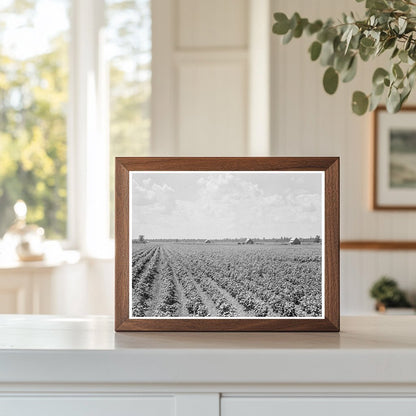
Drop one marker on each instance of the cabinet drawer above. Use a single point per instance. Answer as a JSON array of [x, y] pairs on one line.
[[273, 406], [87, 406]]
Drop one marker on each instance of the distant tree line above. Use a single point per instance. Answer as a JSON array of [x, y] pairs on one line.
[[282, 240]]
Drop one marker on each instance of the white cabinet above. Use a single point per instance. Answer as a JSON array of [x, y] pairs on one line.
[[270, 406], [80, 366], [88, 406]]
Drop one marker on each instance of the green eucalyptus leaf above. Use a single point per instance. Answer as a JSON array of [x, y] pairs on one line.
[[408, 42], [399, 85], [393, 101], [376, 4], [378, 89], [294, 20], [327, 54], [389, 43], [359, 103], [367, 42], [330, 80], [366, 53], [404, 96], [376, 36], [315, 50], [379, 75], [397, 71], [412, 70], [337, 43], [322, 36], [348, 35], [394, 25], [298, 30], [314, 27], [288, 37], [374, 101], [281, 27], [395, 52], [403, 56], [402, 22], [351, 70], [400, 5], [355, 41], [351, 18], [411, 78], [412, 52], [341, 62]]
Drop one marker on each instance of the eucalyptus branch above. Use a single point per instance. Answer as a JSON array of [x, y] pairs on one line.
[[389, 25]]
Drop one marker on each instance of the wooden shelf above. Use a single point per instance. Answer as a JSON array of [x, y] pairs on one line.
[[378, 245]]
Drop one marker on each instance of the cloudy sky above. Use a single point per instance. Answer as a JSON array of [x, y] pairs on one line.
[[226, 204]]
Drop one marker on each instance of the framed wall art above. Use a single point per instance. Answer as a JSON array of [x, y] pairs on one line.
[[394, 159], [227, 244]]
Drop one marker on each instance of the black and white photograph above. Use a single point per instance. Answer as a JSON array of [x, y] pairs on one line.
[[226, 244]]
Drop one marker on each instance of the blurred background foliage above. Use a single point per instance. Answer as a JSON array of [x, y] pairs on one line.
[[33, 97], [34, 93]]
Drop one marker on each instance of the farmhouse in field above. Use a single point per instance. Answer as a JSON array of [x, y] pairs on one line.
[[249, 241], [207, 241], [141, 239], [294, 241]]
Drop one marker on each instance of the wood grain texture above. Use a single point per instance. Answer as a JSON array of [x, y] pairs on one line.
[[121, 244], [329, 165], [332, 225], [376, 204], [378, 245]]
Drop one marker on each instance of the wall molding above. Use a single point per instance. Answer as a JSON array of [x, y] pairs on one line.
[[377, 245]]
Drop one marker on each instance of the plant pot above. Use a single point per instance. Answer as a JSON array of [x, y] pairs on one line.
[[382, 309]]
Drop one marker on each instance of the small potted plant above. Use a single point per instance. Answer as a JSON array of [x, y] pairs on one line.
[[387, 294]]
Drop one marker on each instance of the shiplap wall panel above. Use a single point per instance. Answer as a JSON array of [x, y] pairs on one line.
[[308, 122], [212, 83], [212, 108], [212, 24]]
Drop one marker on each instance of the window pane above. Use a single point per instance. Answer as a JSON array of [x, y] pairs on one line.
[[129, 45], [33, 100]]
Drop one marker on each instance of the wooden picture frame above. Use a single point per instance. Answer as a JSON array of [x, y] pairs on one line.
[[394, 184], [278, 169]]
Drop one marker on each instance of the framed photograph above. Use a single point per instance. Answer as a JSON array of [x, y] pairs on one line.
[[227, 244], [394, 179]]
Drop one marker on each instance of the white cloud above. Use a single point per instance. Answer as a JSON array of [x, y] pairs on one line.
[[158, 197], [224, 205]]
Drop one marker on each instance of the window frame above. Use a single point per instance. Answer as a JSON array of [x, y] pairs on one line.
[[87, 128], [87, 133]]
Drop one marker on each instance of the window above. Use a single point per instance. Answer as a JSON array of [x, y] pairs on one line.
[[33, 98], [75, 87], [129, 46]]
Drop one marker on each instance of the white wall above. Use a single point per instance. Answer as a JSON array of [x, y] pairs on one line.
[[200, 77], [308, 122], [211, 92]]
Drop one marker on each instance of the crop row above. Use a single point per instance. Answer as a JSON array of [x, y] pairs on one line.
[[194, 304], [264, 283], [167, 298], [142, 281]]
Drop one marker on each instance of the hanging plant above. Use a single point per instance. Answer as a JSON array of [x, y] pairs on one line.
[[389, 27]]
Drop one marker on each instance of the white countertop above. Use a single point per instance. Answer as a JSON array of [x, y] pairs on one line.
[[46, 349]]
